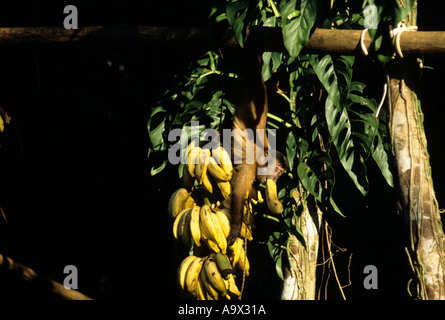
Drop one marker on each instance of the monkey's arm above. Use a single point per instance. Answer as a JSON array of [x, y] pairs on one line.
[[243, 177]]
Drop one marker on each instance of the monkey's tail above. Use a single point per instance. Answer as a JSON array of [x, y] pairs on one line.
[[245, 269]]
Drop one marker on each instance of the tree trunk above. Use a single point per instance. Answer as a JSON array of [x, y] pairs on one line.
[[416, 197], [300, 277]]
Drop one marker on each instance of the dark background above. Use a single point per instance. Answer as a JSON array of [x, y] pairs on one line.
[[75, 180]]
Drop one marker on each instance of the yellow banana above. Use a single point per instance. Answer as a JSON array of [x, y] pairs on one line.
[[231, 286], [217, 171], [181, 226], [189, 203], [188, 180], [235, 251], [211, 292], [214, 276], [227, 213], [222, 239], [226, 189], [250, 219], [211, 228], [212, 245], [224, 222], [207, 183], [191, 276], [271, 197], [201, 166], [182, 270], [207, 223], [205, 234], [195, 230], [201, 293], [246, 232], [223, 159], [243, 261], [178, 222], [177, 201], [185, 233], [260, 198], [192, 160], [191, 145]]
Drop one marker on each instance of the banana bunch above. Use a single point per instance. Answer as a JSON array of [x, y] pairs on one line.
[[202, 224], [208, 278], [196, 220], [200, 162], [201, 214]]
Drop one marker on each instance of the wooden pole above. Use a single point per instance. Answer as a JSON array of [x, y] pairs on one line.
[[10, 269], [322, 40]]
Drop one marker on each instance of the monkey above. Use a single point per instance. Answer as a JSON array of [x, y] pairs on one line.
[[251, 113]]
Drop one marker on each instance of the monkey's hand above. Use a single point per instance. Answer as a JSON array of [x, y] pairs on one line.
[[234, 233]]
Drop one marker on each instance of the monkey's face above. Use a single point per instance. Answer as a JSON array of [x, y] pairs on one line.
[[279, 170], [281, 166]]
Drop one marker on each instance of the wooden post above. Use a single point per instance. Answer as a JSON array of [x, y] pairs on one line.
[[416, 197], [300, 278]]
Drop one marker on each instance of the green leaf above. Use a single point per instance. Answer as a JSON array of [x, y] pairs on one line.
[[266, 70], [156, 134], [236, 14], [291, 149], [335, 74], [381, 159], [309, 180], [316, 174], [271, 62], [274, 244], [279, 265], [366, 129], [155, 171], [389, 13], [335, 207], [299, 17], [217, 12]]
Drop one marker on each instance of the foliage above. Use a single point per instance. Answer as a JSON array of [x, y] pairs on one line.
[[332, 124], [196, 95]]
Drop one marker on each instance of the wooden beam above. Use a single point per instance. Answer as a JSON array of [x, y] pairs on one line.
[[335, 41], [119, 35], [11, 269]]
